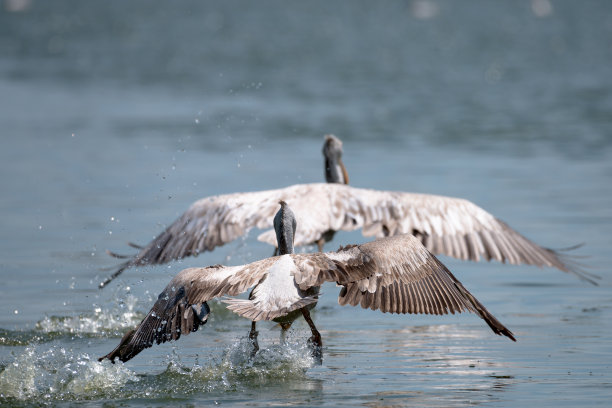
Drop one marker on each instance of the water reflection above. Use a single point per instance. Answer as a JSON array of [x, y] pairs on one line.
[[478, 391], [422, 365]]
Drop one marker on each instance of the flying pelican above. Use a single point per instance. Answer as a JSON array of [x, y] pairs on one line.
[[394, 274], [445, 225]]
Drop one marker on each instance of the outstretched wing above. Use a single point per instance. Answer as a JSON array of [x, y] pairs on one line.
[[395, 275], [445, 225], [181, 308], [217, 220]]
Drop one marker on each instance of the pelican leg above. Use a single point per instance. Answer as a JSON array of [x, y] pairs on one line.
[[320, 244], [253, 337], [325, 237], [315, 340], [284, 329]]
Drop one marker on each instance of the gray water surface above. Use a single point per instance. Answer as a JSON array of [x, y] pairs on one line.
[[115, 116]]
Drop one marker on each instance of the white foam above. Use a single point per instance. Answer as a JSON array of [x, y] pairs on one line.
[[56, 373]]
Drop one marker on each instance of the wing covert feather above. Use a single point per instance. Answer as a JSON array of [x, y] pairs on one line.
[[394, 275]]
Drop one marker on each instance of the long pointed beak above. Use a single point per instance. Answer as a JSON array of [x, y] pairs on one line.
[[344, 172]]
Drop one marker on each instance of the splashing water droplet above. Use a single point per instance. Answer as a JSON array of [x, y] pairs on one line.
[[59, 374]]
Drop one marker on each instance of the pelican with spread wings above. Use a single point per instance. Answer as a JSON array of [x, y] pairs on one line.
[[394, 275], [445, 225]]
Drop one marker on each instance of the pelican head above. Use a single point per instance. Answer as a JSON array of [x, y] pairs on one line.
[[284, 225], [335, 172]]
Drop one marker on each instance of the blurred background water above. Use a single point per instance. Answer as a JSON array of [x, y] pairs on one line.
[[116, 115]]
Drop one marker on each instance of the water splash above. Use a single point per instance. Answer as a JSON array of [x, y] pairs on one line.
[[55, 374], [101, 322], [286, 361], [58, 374], [234, 370]]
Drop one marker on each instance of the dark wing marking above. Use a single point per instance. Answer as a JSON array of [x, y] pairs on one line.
[[181, 308]]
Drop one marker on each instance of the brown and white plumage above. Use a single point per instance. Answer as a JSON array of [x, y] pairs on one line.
[[449, 226], [395, 275]]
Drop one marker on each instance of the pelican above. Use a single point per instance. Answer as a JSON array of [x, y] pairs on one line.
[[445, 225], [393, 274]]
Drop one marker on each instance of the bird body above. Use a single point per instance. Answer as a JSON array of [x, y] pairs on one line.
[[393, 274], [277, 295]]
